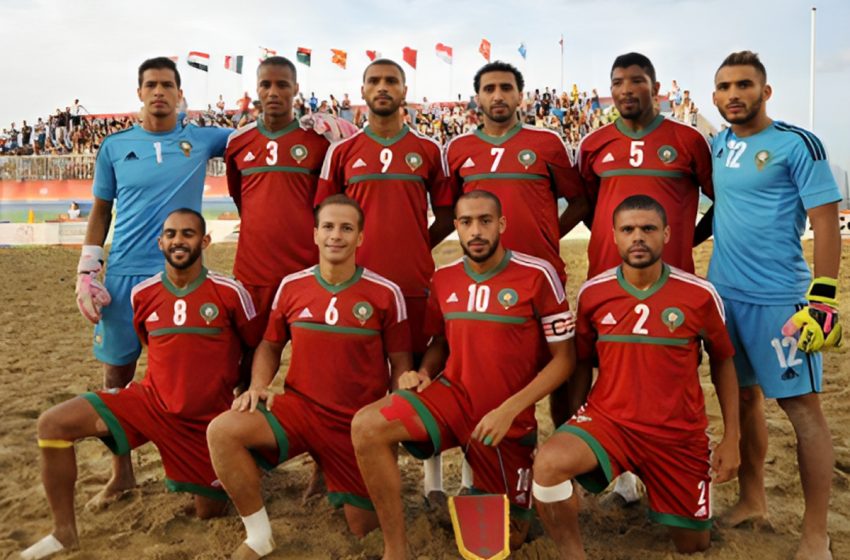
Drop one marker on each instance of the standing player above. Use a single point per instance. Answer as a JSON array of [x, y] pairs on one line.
[[640, 417], [192, 320], [393, 172], [150, 170], [344, 322], [769, 176], [480, 378]]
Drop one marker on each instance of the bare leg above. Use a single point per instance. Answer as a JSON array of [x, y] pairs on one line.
[[316, 485], [208, 508], [689, 541], [361, 522], [816, 460], [752, 503]]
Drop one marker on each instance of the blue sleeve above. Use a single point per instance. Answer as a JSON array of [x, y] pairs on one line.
[[216, 139], [811, 173], [104, 186]]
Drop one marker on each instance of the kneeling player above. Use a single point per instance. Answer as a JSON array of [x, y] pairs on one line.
[[344, 321], [489, 314], [194, 323], [646, 412]]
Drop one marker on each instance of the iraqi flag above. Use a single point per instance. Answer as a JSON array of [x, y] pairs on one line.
[[199, 60], [233, 63], [409, 56], [444, 53]]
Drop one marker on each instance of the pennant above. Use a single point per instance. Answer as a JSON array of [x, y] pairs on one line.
[[266, 53], [409, 56], [522, 50], [444, 53], [484, 49], [303, 55], [339, 58], [233, 63], [199, 60], [373, 55], [174, 58]]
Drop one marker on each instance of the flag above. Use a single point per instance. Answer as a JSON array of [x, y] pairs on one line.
[[339, 58], [302, 55], [444, 53], [266, 53], [561, 42], [199, 60], [233, 63], [484, 49], [174, 58], [409, 56], [522, 51], [373, 55]]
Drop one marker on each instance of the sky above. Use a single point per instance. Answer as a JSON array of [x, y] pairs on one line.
[[57, 51]]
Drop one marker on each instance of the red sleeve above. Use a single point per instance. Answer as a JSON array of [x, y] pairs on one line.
[[439, 185], [565, 177], [702, 165], [234, 177], [714, 333], [277, 329], [139, 316], [332, 177], [550, 302], [454, 181], [396, 327], [248, 324], [585, 333], [434, 323], [585, 170]]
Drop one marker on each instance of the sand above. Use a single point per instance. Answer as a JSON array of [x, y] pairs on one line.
[[45, 358]]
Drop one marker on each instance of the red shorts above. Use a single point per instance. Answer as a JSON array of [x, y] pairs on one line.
[[263, 297], [675, 471], [496, 470], [301, 426], [416, 318], [134, 417]]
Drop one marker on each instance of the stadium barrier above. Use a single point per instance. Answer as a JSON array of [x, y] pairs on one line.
[[68, 167]]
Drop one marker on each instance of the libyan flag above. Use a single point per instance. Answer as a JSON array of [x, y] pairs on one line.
[[199, 60], [302, 55], [233, 63]]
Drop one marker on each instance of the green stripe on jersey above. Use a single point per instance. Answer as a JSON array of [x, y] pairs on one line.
[[386, 177], [335, 329], [281, 168], [638, 339], [211, 331], [644, 172], [490, 317], [515, 176]]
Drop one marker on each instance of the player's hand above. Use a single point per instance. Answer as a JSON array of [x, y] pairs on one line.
[[91, 294], [248, 401], [725, 460], [494, 426], [411, 380], [817, 322]]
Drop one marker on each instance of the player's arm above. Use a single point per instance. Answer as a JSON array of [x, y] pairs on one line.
[[568, 184], [701, 168], [234, 179], [726, 457], [443, 224], [578, 208], [433, 362], [263, 370], [496, 423], [827, 234], [400, 362], [703, 228]]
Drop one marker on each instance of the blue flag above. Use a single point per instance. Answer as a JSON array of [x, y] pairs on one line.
[[522, 50]]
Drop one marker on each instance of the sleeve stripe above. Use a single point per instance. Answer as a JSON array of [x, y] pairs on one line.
[[546, 268], [155, 279], [705, 285], [813, 145], [567, 151], [244, 296], [326, 165], [558, 327], [289, 278], [401, 307], [581, 143], [607, 276], [239, 132], [443, 163]]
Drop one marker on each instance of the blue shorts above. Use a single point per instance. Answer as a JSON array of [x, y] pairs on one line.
[[115, 340], [764, 357]]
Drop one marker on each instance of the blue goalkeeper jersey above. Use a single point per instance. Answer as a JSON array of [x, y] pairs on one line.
[[763, 186], [149, 175]]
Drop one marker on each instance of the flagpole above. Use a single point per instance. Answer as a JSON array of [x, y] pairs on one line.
[[451, 80], [812, 72], [562, 62]]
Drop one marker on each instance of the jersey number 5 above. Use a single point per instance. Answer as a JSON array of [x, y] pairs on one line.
[[636, 153]]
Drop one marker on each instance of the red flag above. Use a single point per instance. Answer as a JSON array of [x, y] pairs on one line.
[[484, 49], [409, 56], [373, 55], [444, 53], [266, 53], [339, 58]]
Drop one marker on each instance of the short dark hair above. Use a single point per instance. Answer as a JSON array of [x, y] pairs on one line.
[[159, 63], [478, 194], [279, 61], [641, 202], [195, 213], [498, 66], [341, 200], [744, 58], [386, 62], [634, 59]]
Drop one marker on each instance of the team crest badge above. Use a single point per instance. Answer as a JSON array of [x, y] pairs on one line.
[[507, 298], [185, 147], [762, 157], [362, 311], [298, 152], [209, 312], [673, 318], [414, 160], [667, 154], [527, 158]]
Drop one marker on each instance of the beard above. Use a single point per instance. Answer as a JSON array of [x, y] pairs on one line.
[[480, 258], [384, 111], [498, 118], [641, 264], [751, 114], [191, 258]]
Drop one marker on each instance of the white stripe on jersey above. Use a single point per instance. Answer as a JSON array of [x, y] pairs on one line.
[[240, 131], [606, 276], [155, 279], [578, 149], [556, 135], [690, 130], [401, 308], [244, 297], [689, 278], [545, 267], [326, 165], [443, 163], [451, 264], [289, 278]]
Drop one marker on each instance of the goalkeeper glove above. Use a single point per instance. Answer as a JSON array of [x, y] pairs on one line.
[[91, 294], [818, 321]]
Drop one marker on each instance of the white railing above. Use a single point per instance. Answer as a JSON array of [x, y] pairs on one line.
[[56, 168]]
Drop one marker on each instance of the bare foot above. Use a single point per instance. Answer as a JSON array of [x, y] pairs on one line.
[[743, 513], [437, 505], [111, 493], [316, 486], [814, 549], [244, 552]]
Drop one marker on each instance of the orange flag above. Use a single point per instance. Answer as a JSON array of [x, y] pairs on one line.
[[484, 49], [339, 58]]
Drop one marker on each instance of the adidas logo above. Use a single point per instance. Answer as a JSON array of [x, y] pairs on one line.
[[131, 156], [358, 163], [609, 319], [152, 317], [608, 158], [305, 314], [789, 374], [249, 157], [468, 163], [702, 512], [719, 154], [452, 298]]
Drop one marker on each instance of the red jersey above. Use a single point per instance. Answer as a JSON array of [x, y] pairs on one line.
[[272, 178], [341, 336], [495, 325], [392, 180], [668, 161], [194, 337], [528, 168], [648, 343]]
